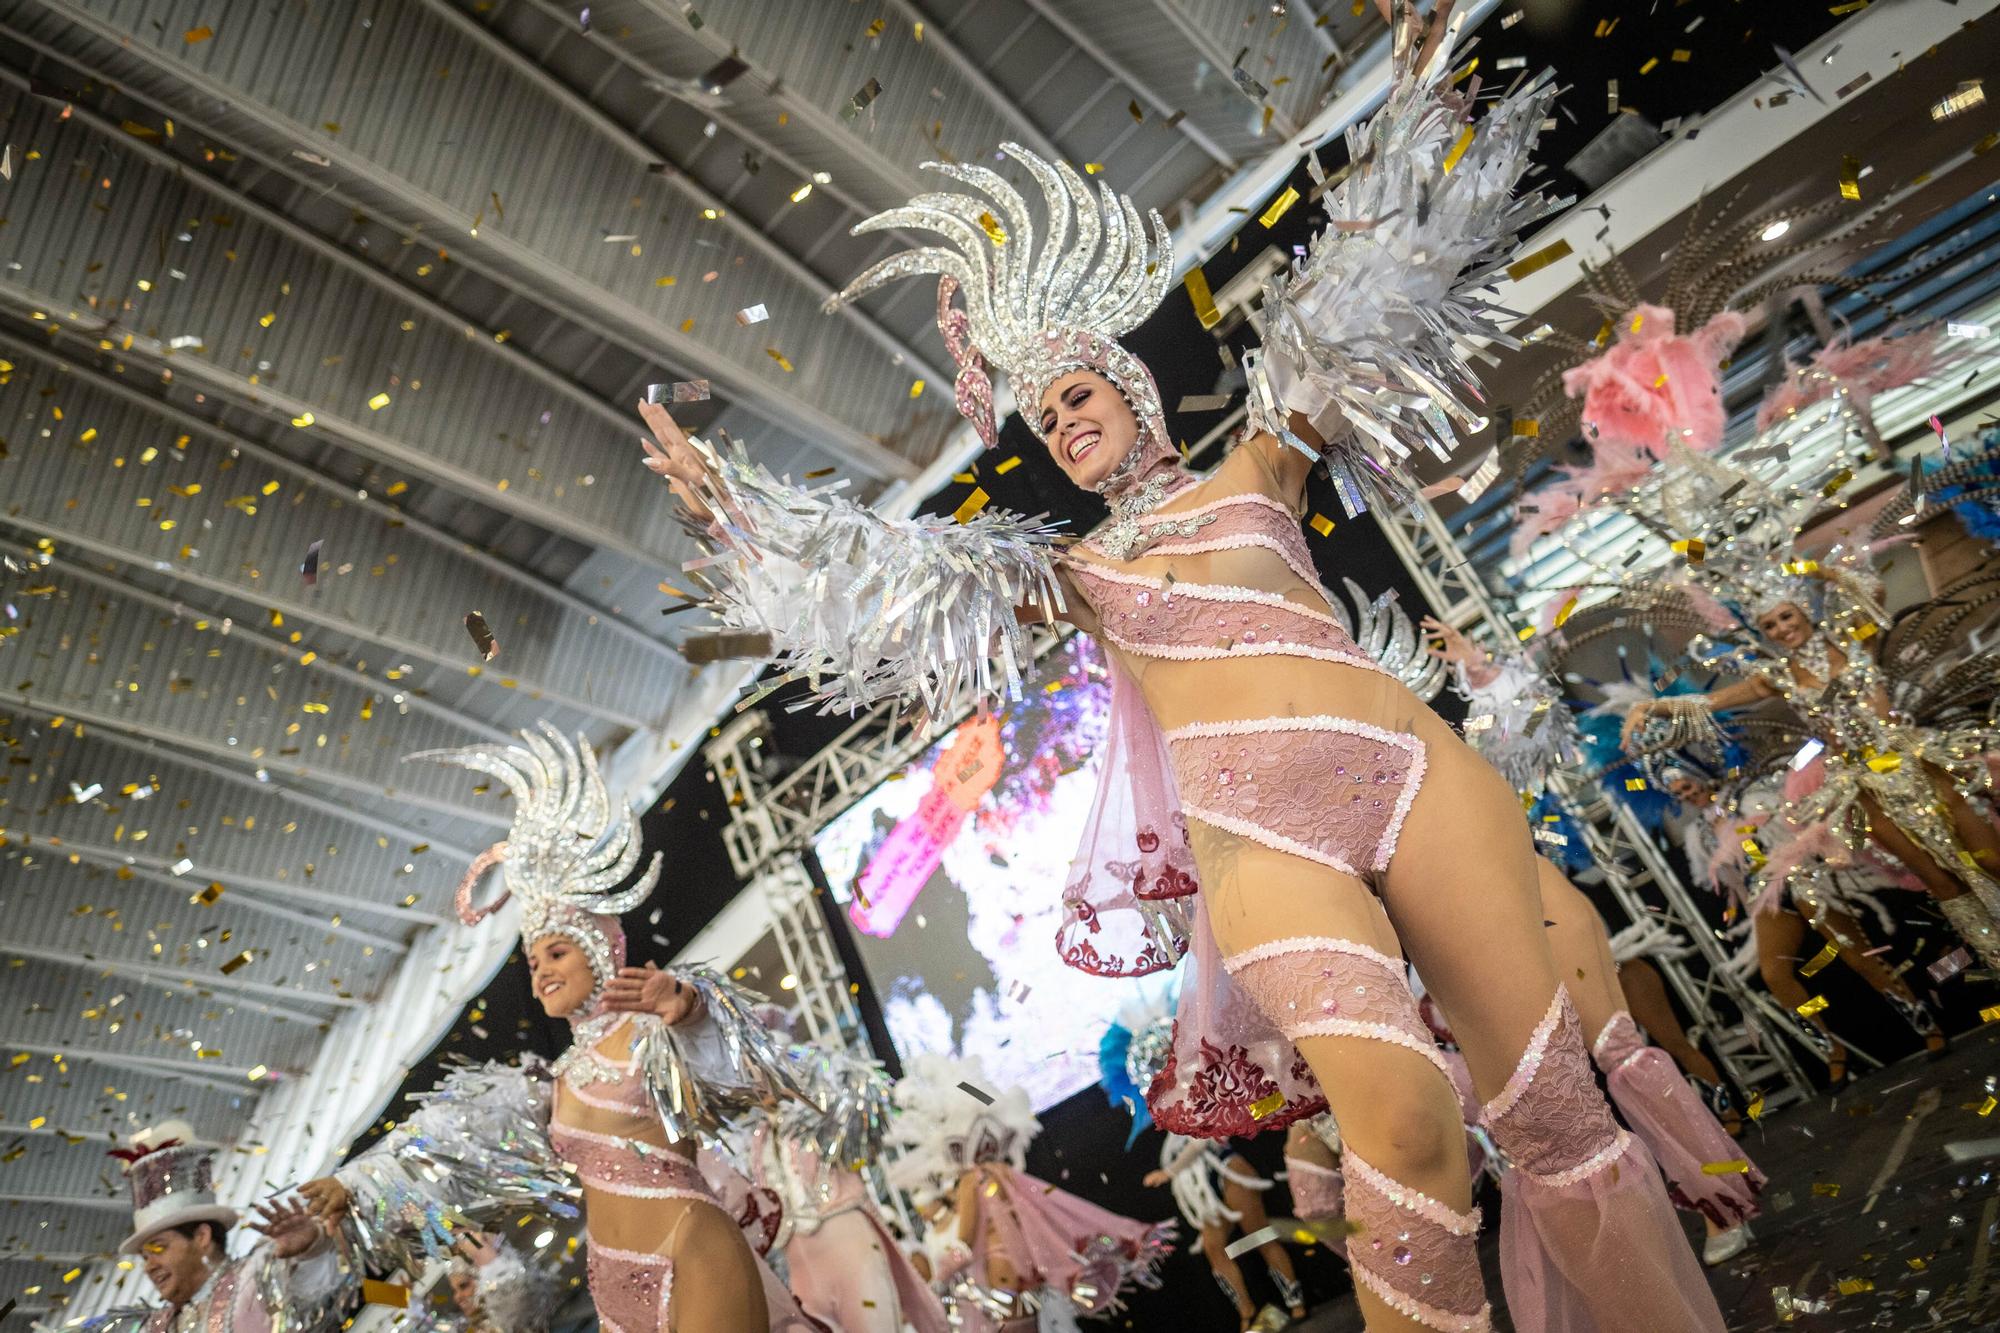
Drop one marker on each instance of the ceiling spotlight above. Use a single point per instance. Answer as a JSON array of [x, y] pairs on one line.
[[1777, 229], [788, 982]]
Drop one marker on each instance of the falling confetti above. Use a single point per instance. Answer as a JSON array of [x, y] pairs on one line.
[[725, 645], [721, 74], [482, 637], [866, 94], [1279, 207], [309, 567], [1196, 283], [979, 1095], [1538, 261], [753, 314]]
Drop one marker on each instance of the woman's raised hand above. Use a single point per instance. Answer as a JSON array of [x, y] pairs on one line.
[[1452, 646], [671, 455], [648, 990]]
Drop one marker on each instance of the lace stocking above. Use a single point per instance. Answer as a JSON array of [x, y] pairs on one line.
[[1319, 986], [1418, 1256], [1550, 1119]]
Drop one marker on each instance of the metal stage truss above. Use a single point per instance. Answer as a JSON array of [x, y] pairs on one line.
[[1755, 1052]]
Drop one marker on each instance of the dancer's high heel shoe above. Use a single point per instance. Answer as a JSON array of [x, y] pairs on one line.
[[1922, 1021]]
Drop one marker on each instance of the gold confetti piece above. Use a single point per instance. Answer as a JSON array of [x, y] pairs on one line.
[[1850, 178], [1991, 1015], [256, 1072], [1848, 7], [1755, 1110], [1826, 1189], [302, 420], [1812, 1006], [1986, 1107], [1196, 283], [917, 30], [385, 1293], [1818, 962], [1321, 524], [1279, 207], [1836, 481], [1527, 427], [1864, 631], [1458, 149], [1092, 168], [1138, 115], [875, 28], [207, 896], [1799, 567], [991, 226], [1524, 634], [1635, 784], [963, 478], [378, 402], [1885, 763], [784, 362], [201, 34], [1652, 63], [971, 507], [799, 195], [1007, 465], [703, 647], [917, 390], [1737, 1167], [482, 636], [1694, 548], [238, 963], [1265, 1106], [1537, 261]]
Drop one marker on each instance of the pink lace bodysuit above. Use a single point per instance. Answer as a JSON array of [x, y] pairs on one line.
[[1247, 722], [603, 1124]]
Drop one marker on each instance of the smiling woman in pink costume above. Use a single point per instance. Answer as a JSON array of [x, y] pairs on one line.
[[1257, 754], [659, 1060]]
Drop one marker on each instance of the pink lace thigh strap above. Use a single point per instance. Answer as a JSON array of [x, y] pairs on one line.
[[1419, 1256], [1328, 789], [1619, 1042], [631, 1290], [1550, 1119], [1323, 986]]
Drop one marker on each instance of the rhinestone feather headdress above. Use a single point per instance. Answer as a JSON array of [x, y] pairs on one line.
[[1037, 315], [567, 851]]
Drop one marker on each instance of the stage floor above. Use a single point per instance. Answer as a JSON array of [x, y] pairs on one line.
[[1867, 1218]]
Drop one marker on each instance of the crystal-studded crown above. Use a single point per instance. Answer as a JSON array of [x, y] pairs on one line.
[[1035, 313], [568, 848]]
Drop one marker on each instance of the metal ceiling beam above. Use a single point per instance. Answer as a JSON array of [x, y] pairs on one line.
[[248, 896], [511, 265], [711, 108], [106, 1203], [264, 454], [1146, 92], [117, 857], [142, 743], [973, 73], [1207, 48], [641, 151], [180, 608], [261, 994], [201, 744], [227, 1078]]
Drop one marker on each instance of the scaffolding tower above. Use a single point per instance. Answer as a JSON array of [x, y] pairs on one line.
[[1757, 1052]]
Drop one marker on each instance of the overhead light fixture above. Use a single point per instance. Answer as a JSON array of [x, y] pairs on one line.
[[788, 982], [1777, 229]]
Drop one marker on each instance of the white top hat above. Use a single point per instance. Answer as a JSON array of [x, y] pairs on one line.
[[173, 1184]]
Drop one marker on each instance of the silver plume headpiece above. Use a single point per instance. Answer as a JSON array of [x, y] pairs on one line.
[[1034, 314], [568, 848]]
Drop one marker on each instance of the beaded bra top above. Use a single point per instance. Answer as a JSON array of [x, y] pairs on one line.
[[1164, 617]]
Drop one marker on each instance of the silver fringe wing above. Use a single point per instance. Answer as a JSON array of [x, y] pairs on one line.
[[1382, 629], [702, 1075], [865, 608], [475, 1154], [1375, 324]]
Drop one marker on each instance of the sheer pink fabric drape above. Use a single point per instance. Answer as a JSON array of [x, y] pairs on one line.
[[1684, 1135], [1130, 910], [1588, 1242]]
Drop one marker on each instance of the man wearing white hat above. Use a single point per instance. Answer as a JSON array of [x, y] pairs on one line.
[[294, 1280]]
